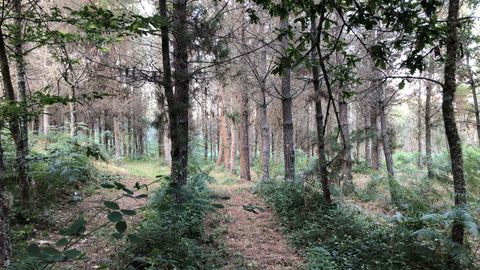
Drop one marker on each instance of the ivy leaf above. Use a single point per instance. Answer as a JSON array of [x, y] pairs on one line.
[[115, 216], [141, 196], [111, 205], [128, 212], [72, 253], [121, 226], [34, 250], [61, 242], [107, 185], [77, 228]]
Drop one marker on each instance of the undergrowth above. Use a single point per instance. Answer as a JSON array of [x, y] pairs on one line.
[[173, 234], [343, 237]]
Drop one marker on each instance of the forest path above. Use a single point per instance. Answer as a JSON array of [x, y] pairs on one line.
[[99, 247], [253, 240]]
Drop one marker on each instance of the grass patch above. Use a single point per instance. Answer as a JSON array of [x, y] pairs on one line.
[[145, 168]]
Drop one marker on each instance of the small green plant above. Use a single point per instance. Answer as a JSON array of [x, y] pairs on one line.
[[46, 257], [173, 230]]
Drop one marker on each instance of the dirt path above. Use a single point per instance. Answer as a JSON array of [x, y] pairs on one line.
[[253, 240]]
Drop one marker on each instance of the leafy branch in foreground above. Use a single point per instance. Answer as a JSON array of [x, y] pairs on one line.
[[46, 257]]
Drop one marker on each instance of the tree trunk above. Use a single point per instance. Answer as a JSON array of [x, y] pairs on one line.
[[105, 130], [205, 125], [223, 141], [167, 148], [265, 129], [453, 138], [178, 101], [375, 152], [387, 147], [473, 85], [46, 121], [116, 135], [5, 243], [368, 159], [73, 114], [15, 128], [419, 129], [160, 123], [348, 187], [322, 160], [227, 141], [428, 131], [288, 139], [244, 144], [233, 146]]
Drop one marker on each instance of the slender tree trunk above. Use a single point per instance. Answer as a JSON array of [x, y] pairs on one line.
[[322, 160], [348, 187], [244, 144], [105, 130], [273, 146], [73, 114], [23, 144], [178, 101], [223, 142], [419, 129], [205, 125], [5, 242], [15, 128], [375, 152], [227, 141], [160, 123], [167, 148], [233, 146], [428, 131], [473, 85], [116, 135], [386, 142], [46, 121], [368, 158], [288, 139], [453, 138]]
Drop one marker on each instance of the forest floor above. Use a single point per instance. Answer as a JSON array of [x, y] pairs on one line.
[[99, 247], [253, 239]]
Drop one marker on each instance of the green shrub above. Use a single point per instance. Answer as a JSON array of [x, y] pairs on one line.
[[348, 238], [173, 233]]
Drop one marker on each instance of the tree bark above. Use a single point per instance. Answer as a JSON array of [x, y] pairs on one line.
[[375, 152], [451, 131], [116, 135], [368, 156], [233, 146], [419, 129], [322, 160], [244, 144], [288, 138], [348, 187], [473, 85], [428, 131], [46, 121], [223, 155], [386, 142], [5, 242], [160, 124], [178, 101], [205, 125], [15, 128], [227, 141]]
